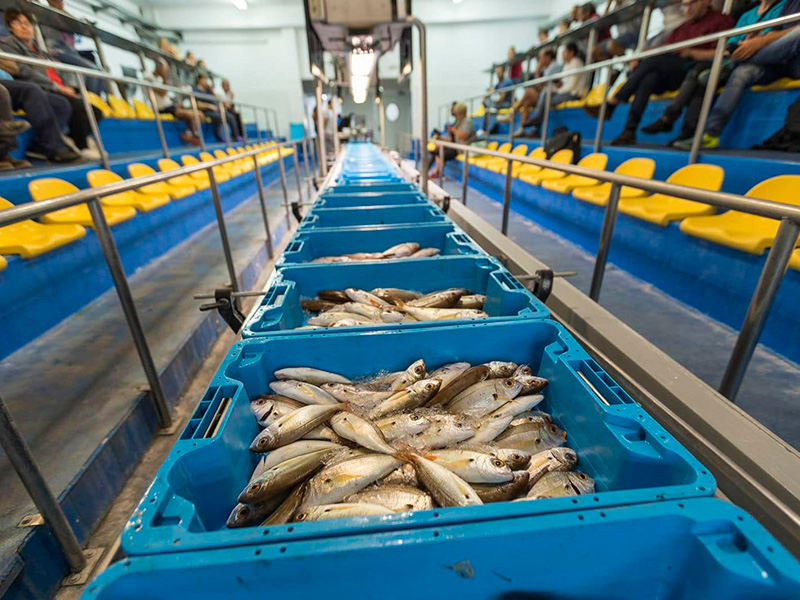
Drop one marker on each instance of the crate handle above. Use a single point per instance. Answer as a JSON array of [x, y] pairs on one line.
[[295, 246], [506, 280], [275, 296], [738, 553]]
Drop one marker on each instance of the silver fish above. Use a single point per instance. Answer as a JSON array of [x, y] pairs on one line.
[[520, 404], [481, 398], [445, 430], [246, 515], [282, 406], [412, 374], [499, 369], [390, 315], [449, 373], [339, 480], [401, 250], [404, 475], [503, 492], [447, 488], [492, 425], [322, 434], [554, 459], [397, 498], [353, 394], [467, 379], [443, 314], [531, 416], [293, 426], [531, 384], [335, 296], [534, 441], [316, 305], [352, 322], [425, 253], [362, 432], [262, 406], [366, 298], [285, 512], [282, 477], [440, 299], [302, 392], [391, 295], [340, 511], [475, 301], [561, 483], [373, 313], [309, 375], [401, 425], [284, 453], [523, 370], [471, 466], [328, 319], [409, 398]]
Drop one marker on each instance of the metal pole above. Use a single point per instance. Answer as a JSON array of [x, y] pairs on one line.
[[590, 45], [275, 120], [382, 123], [609, 220], [283, 187], [100, 54], [335, 119], [109, 248], [263, 203], [141, 62], [323, 159], [646, 15], [760, 305], [223, 231], [465, 178], [441, 166], [306, 156], [151, 95], [223, 115], [243, 131], [423, 92], [87, 106], [197, 122], [509, 171], [546, 116], [601, 118], [21, 459], [296, 163]]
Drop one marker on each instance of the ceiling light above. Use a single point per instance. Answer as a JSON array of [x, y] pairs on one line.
[[240, 4], [362, 62]]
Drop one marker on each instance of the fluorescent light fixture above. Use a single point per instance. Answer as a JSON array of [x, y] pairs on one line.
[[240, 4], [362, 62], [359, 85]]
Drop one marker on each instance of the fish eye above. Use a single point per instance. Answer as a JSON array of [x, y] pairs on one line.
[[243, 512], [537, 441], [413, 418], [459, 425], [508, 383], [262, 442], [582, 476], [553, 429], [261, 401], [516, 456], [498, 463], [255, 487], [419, 369], [429, 386], [301, 517]]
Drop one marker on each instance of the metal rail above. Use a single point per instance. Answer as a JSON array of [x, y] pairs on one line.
[[772, 272], [10, 438]]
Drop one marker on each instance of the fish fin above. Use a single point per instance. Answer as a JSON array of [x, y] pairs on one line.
[[405, 452]]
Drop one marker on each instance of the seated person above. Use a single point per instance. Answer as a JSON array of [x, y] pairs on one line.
[[61, 46], [564, 90], [165, 104], [9, 130], [545, 65], [514, 66], [64, 100], [211, 110], [463, 132], [627, 35], [228, 94], [501, 99], [659, 74], [757, 61], [586, 14], [692, 89], [543, 36]]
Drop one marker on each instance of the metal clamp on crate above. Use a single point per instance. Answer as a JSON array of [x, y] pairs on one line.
[[541, 282], [227, 304], [296, 211]]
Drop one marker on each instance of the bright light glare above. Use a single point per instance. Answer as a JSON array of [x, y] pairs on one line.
[[361, 63], [359, 84], [240, 4]]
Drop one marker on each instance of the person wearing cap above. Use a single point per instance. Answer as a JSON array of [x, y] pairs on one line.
[[462, 132]]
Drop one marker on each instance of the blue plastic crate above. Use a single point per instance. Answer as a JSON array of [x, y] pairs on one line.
[[280, 311], [632, 458], [358, 188], [370, 199], [316, 243], [697, 549], [372, 216]]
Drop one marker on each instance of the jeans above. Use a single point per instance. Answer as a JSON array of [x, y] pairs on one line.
[[40, 113], [217, 122], [70, 57], [779, 59], [654, 75], [556, 98], [8, 143], [690, 89], [77, 119]]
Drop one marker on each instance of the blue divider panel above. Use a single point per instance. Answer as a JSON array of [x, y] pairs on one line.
[[403, 214]]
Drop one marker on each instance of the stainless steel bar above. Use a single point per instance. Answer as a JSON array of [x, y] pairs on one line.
[[645, 28], [382, 123], [101, 55], [223, 231], [306, 156], [465, 178], [606, 233], [87, 106], [546, 116], [441, 166], [21, 458], [197, 122], [708, 99], [323, 160], [223, 115], [117, 271], [151, 96], [297, 177], [284, 188], [509, 171], [759, 309], [263, 202], [423, 92], [591, 44], [601, 118], [142, 63], [335, 124]]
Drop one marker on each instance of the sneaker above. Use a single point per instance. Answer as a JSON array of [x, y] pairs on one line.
[[5, 164], [708, 142], [662, 125], [9, 128], [594, 111], [18, 163], [519, 132], [683, 138], [90, 154], [64, 156], [35, 154], [626, 138]]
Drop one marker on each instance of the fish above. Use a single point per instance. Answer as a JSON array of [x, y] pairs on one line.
[[520, 404], [493, 424], [523, 370], [531, 384], [302, 392], [404, 475], [309, 375], [339, 480], [247, 515], [534, 441], [340, 511], [366, 298], [373, 313], [397, 498], [364, 433], [443, 314], [448, 373], [445, 430], [467, 379], [447, 488], [440, 299], [503, 492], [515, 459], [331, 259], [335, 296], [561, 483], [415, 372], [531, 416], [391, 295], [282, 477], [323, 434], [553, 459], [316, 305], [281, 406], [402, 425], [471, 466], [471, 301], [284, 453], [353, 394], [425, 253], [285, 512], [409, 398], [293, 426], [481, 398], [390, 315], [499, 369], [352, 322], [330, 318], [401, 250], [262, 406]]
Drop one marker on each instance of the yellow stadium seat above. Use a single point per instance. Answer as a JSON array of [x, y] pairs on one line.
[[481, 110], [244, 164], [432, 147], [665, 96], [489, 146], [219, 174], [166, 116], [99, 104], [562, 156], [784, 83], [167, 164], [573, 103], [3, 263], [229, 168], [143, 111], [745, 232], [143, 202], [29, 238], [794, 261], [661, 209], [119, 108], [480, 161], [633, 167], [564, 185], [520, 168], [50, 187], [176, 192], [499, 165]]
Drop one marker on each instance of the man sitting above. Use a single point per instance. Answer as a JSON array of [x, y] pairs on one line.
[[501, 99], [545, 65], [9, 130], [463, 132]]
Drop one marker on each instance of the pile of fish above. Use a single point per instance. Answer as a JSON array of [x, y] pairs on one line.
[[460, 435], [404, 250], [352, 307]]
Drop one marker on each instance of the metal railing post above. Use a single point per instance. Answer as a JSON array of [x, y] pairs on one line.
[[101, 55], [262, 201], [109, 248], [335, 124], [590, 44], [321, 151], [223, 231], [306, 156], [607, 231], [759, 309], [223, 115], [465, 178], [151, 95], [643, 30], [441, 166], [382, 123], [198, 123], [423, 92], [708, 99], [87, 106], [546, 116], [282, 170], [509, 172], [243, 131], [142, 63], [296, 164], [601, 117]]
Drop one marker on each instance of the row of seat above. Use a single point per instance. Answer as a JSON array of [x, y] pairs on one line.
[[734, 229], [29, 238]]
